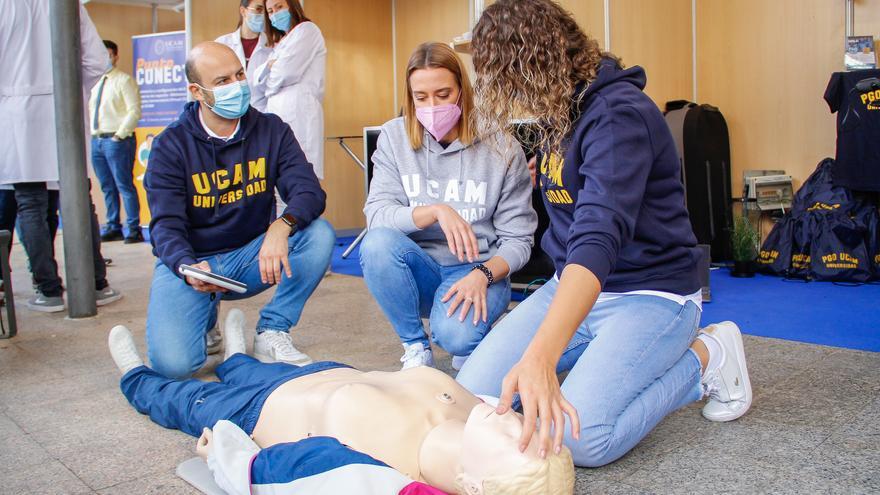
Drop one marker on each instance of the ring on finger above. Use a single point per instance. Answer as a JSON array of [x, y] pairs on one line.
[[469, 299]]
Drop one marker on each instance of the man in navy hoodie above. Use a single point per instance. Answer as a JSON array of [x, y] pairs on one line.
[[210, 187]]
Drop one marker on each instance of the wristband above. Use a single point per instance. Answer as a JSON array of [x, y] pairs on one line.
[[486, 271], [288, 219]]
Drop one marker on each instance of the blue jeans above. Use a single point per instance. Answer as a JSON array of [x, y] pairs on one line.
[[408, 285], [113, 162], [179, 317], [629, 366], [190, 405]]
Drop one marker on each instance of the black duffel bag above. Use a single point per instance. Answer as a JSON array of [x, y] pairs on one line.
[[868, 219], [774, 258], [838, 252]]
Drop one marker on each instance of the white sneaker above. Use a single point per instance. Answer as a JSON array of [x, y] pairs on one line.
[[416, 355], [213, 339], [458, 362], [234, 329], [107, 295], [272, 346], [728, 386], [123, 350]]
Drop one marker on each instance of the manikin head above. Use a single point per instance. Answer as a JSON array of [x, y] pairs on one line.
[[491, 463]]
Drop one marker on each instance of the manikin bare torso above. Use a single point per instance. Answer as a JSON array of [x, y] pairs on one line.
[[386, 415]]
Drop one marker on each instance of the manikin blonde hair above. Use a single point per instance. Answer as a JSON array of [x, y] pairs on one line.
[[551, 476]]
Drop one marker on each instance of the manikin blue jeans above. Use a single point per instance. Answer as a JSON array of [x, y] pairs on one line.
[[190, 405], [629, 366], [409, 285], [179, 317]]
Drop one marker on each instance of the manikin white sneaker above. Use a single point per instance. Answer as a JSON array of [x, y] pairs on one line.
[[272, 345], [416, 355], [234, 329], [123, 350], [728, 386]]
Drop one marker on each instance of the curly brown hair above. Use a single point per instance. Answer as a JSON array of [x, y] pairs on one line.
[[530, 56]]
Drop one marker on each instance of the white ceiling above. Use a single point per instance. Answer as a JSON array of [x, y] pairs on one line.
[[176, 5]]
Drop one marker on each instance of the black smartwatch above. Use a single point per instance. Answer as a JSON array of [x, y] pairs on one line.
[[486, 271], [290, 221]]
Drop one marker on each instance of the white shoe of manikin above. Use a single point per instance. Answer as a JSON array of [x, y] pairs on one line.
[[234, 330], [416, 355], [123, 350], [727, 386]]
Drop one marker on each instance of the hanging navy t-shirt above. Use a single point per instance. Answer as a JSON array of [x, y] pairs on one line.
[[858, 130]]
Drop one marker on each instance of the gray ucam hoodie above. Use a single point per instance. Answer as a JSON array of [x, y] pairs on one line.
[[487, 183]]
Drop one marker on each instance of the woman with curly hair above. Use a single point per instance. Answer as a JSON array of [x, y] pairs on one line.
[[622, 312]]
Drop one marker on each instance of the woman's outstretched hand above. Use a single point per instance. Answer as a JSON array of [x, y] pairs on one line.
[[459, 235], [534, 377]]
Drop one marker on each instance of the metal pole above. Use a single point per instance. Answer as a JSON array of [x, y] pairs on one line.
[[155, 14], [188, 25], [849, 19], [71, 144]]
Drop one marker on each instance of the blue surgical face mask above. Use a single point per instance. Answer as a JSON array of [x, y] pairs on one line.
[[281, 20], [255, 22], [232, 100]]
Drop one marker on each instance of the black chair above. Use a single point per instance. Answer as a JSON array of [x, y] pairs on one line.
[[8, 327]]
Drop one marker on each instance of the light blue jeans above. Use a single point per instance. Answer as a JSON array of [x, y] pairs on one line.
[[629, 366], [113, 162], [179, 317], [409, 285]]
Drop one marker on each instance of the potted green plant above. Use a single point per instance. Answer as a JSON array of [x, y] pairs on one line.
[[744, 240]]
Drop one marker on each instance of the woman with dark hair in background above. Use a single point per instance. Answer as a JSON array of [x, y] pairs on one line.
[[292, 80], [249, 41], [622, 313]]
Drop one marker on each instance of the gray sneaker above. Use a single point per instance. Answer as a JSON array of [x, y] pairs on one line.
[[107, 295], [214, 340], [46, 304]]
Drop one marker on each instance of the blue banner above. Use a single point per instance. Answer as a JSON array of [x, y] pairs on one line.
[[159, 71]]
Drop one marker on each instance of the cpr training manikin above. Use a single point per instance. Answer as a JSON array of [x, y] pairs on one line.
[[328, 428]]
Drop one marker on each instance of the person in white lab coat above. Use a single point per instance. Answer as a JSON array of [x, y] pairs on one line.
[[249, 42], [29, 159], [293, 77]]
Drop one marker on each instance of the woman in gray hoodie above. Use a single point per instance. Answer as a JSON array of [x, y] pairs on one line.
[[449, 215]]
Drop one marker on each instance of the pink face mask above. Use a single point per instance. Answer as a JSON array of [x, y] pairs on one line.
[[439, 119]]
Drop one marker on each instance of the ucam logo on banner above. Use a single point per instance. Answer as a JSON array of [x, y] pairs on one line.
[[159, 72]]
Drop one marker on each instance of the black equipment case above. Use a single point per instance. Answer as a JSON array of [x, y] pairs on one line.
[[701, 136]]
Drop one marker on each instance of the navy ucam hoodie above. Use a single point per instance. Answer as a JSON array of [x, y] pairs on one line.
[[209, 196], [615, 199]]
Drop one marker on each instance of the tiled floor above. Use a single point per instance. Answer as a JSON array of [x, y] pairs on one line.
[[65, 427]]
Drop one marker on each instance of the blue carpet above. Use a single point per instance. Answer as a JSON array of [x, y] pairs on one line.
[[814, 312], [350, 266]]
